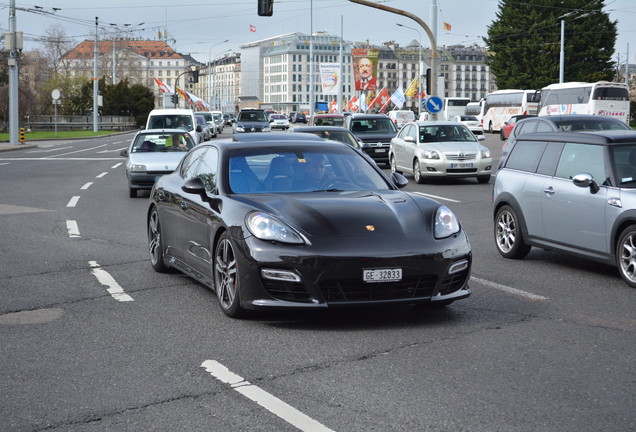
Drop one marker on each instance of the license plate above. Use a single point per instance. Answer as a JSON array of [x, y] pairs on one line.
[[382, 275], [380, 150], [462, 165]]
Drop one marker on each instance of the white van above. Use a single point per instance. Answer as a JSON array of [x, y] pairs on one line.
[[175, 118], [401, 117]]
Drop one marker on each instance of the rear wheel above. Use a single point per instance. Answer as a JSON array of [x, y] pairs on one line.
[[417, 174], [226, 277], [508, 236], [501, 135], [626, 255], [155, 248]]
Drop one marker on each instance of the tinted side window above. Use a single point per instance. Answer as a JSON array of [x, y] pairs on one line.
[[550, 158], [525, 127], [544, 127], [208, 169], [525, 155], [191, 162], [580, 158]]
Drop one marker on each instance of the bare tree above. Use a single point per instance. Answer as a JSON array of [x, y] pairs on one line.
[[55, 44]]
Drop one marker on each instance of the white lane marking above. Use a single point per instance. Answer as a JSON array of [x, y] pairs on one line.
[[81, 150], [49, 149], [6, 163], [437, 197], [264, 399], [117, 165], [508, 289], [73, 230], [86, 186], [73, 201], [101, 175], [103, 277]]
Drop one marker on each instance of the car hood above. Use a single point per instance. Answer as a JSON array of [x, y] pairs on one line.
[[391, 215], [157, 161]]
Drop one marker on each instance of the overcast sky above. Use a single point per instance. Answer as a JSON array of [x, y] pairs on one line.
[[199, 27]]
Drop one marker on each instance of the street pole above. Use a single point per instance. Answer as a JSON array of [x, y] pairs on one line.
[[562, 52], [13, 77], [311, 59], [340, 73], [431, 36], [95, 78]]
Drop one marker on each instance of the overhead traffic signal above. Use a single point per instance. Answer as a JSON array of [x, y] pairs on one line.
[[428, 81], [265, 7], [195, 76]]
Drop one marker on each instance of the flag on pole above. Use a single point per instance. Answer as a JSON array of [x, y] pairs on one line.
[[413, 88], [252, 28], [381, 99], [353, 104], [398, 97], [165, 88], [447, 26], [333, 106]]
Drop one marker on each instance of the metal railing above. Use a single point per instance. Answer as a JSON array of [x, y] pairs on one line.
[[75, 122]]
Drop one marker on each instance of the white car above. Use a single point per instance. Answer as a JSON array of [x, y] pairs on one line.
[[471, 122], [440, 149], [279, 121]]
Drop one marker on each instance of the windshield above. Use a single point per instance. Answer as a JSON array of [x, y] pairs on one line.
[[596, 124], [252, 116], [624, 159], [171, 122], [292, 169], [373, 126], [153, 143], [329, 121], [446, 133]]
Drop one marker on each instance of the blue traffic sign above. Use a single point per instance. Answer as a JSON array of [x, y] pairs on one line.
[[434, 104]]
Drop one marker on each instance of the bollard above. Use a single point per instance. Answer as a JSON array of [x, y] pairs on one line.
[[21, 138]]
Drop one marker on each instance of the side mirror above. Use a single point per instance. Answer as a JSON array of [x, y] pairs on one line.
[[399, 180], [409, 139], [123, 153], [481, 137], [584, 180]]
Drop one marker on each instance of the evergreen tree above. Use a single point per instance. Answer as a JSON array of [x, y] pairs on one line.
[[524, 42]]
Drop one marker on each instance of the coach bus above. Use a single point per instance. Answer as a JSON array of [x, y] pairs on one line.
[[500, 105], [601, 98], [454, 106]]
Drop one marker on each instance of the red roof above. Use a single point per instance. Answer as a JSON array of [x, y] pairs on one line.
[[148, 49]]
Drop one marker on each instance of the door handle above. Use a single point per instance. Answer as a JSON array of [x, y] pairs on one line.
[[548, 190]]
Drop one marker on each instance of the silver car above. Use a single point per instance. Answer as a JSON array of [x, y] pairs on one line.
[[439, 149], [153, 153], [569, 192]]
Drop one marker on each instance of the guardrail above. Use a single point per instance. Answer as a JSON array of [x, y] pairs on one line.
[[71, 122]]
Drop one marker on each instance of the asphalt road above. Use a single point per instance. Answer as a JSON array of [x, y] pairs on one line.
[[92, 339]]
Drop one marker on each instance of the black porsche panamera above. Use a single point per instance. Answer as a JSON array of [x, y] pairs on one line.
[[303, 224]]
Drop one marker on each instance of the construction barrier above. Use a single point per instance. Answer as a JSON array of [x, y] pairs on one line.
[[21, 135]]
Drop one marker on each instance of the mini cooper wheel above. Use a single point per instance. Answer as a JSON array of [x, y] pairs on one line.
[[226, 277], [626, 255], [417, 174], [508, 236], [155, 248]]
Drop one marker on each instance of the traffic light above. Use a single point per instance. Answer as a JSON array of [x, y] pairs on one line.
[[195, 76], [428, 81], [174, 99], [265, 7]]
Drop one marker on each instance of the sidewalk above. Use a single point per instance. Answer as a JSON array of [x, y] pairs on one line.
[[21, 146]]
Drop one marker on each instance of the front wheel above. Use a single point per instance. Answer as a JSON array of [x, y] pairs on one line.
[[226, 277], [417, 174], [508, 236], [626, 255], [394, 165], [483, 179], [155, 248]]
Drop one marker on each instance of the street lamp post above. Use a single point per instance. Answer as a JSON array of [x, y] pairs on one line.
[[210, 69], [562, 51], [176, 83], [420, 70]]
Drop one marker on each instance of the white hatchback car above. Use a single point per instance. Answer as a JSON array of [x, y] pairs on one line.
[[440, 149]]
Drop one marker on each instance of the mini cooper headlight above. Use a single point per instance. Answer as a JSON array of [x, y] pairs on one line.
[[267, 227], [446, 223]]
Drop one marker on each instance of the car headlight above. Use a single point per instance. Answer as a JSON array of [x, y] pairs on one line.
[[267, 227], [446, 223], [431, 154], [137, 168], [240, 129], [485, 153]]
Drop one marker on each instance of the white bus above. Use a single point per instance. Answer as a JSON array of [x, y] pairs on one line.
[[454, 106], [500, 105], [475, 109], [602, 98]]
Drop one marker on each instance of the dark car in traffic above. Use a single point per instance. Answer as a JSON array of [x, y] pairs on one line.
[[306, 225], [375, 132], [252, 120]]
